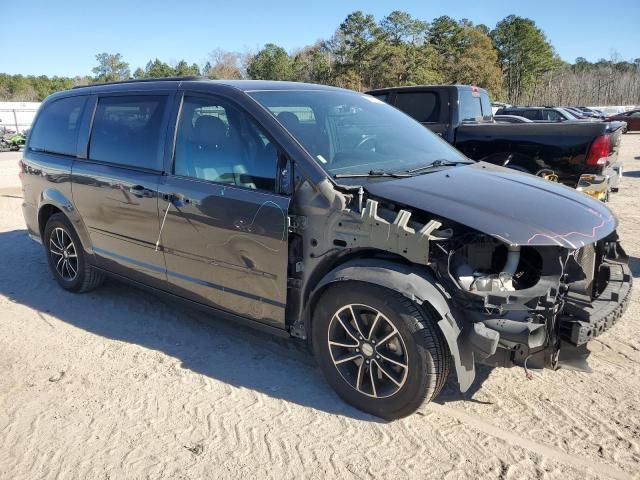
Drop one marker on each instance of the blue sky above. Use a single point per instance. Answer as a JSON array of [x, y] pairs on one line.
[[62, 38]]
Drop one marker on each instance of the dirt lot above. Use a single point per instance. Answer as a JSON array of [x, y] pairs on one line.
[[121, 384]]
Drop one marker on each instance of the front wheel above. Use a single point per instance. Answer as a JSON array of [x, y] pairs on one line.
[[380, 351]]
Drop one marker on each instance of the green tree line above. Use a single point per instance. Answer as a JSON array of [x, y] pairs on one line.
[[514, 61]]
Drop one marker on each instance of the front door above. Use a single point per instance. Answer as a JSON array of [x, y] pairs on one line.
[[225, 228], [116, 188]]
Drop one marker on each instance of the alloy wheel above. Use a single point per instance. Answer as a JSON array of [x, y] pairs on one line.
[[64, 254], [368, 351]]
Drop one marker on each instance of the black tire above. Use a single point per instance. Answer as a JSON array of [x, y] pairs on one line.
[[85, 278], [427, 354]]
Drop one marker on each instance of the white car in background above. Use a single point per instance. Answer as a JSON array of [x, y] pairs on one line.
[[613, 110], [495, 106]]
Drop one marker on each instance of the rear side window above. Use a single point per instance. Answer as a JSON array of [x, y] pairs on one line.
[[127, 130], [530, 114], [381, 96], [487, 112], [56, 130], [423, 106], [552, 116], [470, 106]]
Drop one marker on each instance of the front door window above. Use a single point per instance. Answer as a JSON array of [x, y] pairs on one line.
[[219, 143]]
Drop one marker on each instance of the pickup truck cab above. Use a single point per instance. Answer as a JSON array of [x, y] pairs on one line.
[[580, 154], [327, 215]]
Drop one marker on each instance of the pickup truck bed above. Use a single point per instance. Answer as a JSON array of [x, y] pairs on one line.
[[540, 148], [582, 155]]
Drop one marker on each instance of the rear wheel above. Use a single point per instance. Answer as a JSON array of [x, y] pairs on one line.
[[67, 260], [380, 351]]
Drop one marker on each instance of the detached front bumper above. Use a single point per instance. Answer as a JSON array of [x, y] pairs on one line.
[[584, 318]]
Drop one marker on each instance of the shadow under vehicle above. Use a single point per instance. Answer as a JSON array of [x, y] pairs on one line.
[[327, 215]]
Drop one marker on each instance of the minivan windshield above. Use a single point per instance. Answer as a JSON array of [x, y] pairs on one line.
[[351, 133]]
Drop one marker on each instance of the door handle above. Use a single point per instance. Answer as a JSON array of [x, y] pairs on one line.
[[177, 199], [141, 192]]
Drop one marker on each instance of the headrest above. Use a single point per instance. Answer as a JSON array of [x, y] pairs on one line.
[[288, 119], [210, 130]]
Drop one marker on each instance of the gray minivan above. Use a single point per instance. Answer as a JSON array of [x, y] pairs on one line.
[[327, 215]]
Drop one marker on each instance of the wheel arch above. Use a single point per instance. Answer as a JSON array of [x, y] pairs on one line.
[[514, 160], [415, 283], [53, 201]]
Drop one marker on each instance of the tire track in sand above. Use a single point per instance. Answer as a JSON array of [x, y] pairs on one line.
[[579, 463]]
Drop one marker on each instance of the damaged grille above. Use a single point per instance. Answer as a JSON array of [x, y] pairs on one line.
[[586, 258], [587, 311]]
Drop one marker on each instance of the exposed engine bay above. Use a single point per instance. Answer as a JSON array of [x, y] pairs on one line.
[[526, 304], [478, 266]]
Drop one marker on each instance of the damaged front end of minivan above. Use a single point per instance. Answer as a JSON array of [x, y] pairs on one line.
[[533, 306], [511, 283]]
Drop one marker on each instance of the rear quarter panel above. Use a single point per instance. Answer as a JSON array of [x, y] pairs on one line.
[[46, 180]]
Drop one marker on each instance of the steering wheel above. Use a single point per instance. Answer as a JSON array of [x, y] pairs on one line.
[[368, 139]]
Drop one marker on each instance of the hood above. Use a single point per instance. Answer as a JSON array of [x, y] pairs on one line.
[[515, 207]]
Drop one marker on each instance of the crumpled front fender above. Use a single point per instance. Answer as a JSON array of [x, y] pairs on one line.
[[417, 284]]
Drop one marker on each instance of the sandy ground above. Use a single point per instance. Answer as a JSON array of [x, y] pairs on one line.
[[121, 384]]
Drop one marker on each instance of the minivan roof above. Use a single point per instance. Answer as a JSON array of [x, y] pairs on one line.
[[245, 85]]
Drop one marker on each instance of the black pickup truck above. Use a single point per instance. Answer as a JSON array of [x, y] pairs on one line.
[[582, 155]]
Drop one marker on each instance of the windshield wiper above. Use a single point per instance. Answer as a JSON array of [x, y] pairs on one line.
[[436, 164], [373, 173]]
